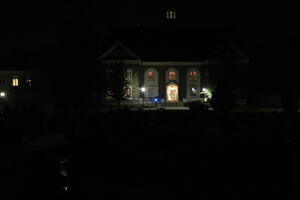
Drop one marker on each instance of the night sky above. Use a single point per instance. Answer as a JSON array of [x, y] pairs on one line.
[[31, 26]]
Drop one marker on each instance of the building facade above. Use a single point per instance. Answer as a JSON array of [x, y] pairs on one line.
[[171, 81]]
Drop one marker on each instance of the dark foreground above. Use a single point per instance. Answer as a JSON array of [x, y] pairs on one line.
[[149, 155]]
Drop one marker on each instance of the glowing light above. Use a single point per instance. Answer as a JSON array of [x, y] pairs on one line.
[[2, 94], [156, 100], [15, 82], [207, 94], [143, 89], [193, 89]]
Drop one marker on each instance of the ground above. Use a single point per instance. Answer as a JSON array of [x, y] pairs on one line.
[[162, 154]]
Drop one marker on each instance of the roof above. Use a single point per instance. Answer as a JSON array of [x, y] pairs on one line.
[[169, 44]]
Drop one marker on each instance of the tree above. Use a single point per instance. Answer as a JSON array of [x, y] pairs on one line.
[[117, 83], [222, 97]]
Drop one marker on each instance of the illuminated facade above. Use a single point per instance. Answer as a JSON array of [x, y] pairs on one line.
[[172, 81]]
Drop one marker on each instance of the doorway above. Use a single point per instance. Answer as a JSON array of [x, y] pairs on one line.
[[172, 93]]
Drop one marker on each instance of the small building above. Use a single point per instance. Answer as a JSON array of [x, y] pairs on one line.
[[19, 84]]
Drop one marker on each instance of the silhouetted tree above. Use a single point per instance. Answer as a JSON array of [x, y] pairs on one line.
[[222, 97]]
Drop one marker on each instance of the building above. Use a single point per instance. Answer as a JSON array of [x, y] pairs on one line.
[[19, 84], [174, 64]]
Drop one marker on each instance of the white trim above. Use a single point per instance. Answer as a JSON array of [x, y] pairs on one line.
[[213, 62], [116, 45], [156, 63]]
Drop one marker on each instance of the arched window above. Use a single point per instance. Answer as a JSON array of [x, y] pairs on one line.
[[172, 75], [193, 76], [171, 14], [150, 76], [150, 83], [15, 82]]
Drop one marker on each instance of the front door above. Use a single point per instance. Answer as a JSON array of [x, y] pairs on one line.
[[172, 93]]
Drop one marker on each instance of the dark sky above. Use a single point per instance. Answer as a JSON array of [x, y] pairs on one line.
[[31, 26]]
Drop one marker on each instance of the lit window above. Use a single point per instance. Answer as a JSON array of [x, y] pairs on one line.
[[172, 75], [193, 76], [15, 82], [28, 82], [193, 92], [150, 76], [171, 14]]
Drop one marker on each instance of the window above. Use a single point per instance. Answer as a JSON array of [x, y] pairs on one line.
[[193, 92], [171, 14], [15, 82], [28, 82], [172, 75], [193, 76], [151, 92], [150, 76], [129, 75], [129, 92]]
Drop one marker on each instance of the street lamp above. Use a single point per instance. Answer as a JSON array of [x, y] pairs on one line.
[[2, 94], [143, 89]]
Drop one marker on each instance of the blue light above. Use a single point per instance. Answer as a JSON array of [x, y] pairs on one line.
[[156, 100]]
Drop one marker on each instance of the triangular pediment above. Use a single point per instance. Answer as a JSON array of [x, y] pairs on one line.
[[119, 52]]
